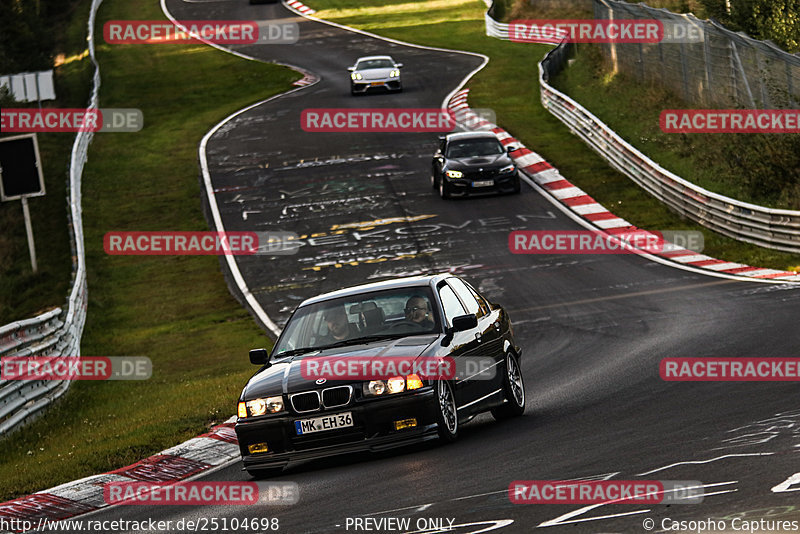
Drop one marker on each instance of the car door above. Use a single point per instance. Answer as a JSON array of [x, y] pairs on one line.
[[462, 346], [489, 347]]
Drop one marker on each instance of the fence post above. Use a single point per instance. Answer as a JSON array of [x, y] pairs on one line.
[[743, 74]]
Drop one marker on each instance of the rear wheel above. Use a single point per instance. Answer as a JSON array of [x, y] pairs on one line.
[[514, 389], [447, 418]]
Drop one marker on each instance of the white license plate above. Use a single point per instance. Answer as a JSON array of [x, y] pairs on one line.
[[326, 422], [483, 183]]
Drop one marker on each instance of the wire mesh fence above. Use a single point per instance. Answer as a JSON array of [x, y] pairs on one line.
[[723, 69]]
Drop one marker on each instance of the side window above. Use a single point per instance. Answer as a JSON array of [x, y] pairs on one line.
[[466, 297], [482, 301], [450, 303]]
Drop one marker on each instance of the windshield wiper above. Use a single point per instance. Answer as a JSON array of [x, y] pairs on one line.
[[295, 352]]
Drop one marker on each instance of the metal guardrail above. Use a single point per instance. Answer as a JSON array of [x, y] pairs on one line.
[[771, 228], [53, 333]]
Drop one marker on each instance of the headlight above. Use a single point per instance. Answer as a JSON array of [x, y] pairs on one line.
[[374, 387], [257, 407], [454, 174], [396, 384], [394, 74], [508, 168], [356, 76]]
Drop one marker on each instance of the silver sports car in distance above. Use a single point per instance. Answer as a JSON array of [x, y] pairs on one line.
[[375, 72]]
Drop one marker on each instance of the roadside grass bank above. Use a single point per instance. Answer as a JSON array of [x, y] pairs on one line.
[[509, 86], [176, 310], [23, 293]]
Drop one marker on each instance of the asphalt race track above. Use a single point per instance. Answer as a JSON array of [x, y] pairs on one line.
[[594, 327]]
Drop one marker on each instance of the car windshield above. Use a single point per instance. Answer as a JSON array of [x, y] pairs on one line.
[[359, 319], [474, 147], [374, 64]]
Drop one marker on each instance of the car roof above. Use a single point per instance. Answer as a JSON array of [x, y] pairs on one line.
[[471, 135], [394, 283], [374, 57]]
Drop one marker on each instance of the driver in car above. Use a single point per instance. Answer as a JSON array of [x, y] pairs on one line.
[[339, 328], [417, 311]]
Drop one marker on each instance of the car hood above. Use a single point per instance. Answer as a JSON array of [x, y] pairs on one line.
[[375, 74], [498, 160], [286, 376]]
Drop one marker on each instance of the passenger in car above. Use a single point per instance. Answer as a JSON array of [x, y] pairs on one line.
[[417, 311], [339, 328]]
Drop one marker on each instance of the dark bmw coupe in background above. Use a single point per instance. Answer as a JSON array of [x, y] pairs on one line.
[[469, 163], [284, 414]]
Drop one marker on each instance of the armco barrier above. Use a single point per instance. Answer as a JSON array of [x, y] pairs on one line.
[[53, 333], [766, 227]]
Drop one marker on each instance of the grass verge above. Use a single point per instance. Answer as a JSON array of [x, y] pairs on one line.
[[509, 86], [175, 310]]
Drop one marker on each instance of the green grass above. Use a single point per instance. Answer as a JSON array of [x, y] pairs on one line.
[[175, 310], [23, 293], [509, 86]]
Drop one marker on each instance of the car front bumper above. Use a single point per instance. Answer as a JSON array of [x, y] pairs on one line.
[[373, 430], [501, 183], [388, 84]]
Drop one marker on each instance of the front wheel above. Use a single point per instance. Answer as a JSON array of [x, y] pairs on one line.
[[444, 191], [447, 418], [514, 389]]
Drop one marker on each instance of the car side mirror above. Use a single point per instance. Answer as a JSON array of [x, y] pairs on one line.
[[398, 65], [351, 69], [465, 322], [510, 149], [259, 356]]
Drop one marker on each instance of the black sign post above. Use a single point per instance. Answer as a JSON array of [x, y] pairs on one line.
[[21, 177]]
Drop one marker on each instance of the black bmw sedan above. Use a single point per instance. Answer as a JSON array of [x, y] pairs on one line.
[[350, 372], [469, 163]]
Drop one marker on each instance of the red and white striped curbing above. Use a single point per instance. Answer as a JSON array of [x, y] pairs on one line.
[[299, 6], [575, 199], [214, 449]]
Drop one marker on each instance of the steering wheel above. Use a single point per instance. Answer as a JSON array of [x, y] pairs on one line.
[[404, 322]]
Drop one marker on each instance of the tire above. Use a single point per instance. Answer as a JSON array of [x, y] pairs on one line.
[[444, 192], [514, 389], [447, 415], [265, 472], [517, 185], [434, 185]]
